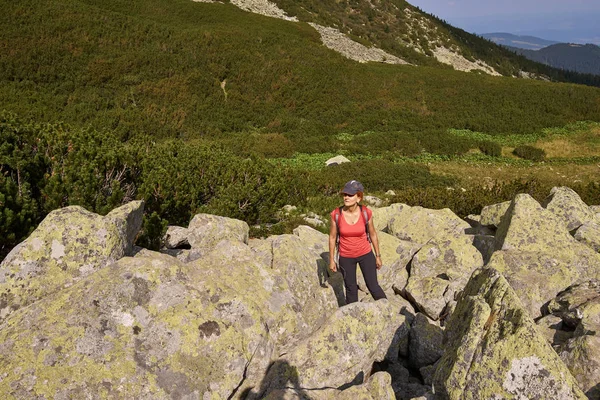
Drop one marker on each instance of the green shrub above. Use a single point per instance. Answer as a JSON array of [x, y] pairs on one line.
[[490, 148], [530, 153]]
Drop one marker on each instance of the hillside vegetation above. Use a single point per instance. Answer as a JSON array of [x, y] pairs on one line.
[[573, 57], [204, 107]]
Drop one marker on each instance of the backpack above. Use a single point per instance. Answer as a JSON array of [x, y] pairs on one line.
[[337, 224]]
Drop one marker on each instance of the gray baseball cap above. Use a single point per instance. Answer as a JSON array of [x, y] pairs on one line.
[[353, 187]]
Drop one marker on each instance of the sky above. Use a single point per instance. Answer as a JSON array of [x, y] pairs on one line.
[[575, 21]]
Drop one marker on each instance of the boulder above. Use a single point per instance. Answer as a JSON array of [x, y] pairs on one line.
[[486, 244], [418, 224], [378, 387], [68, 245], [493, 349], [353, 338], [336, 161], [425, 343], [373, 201], [383, 215], [553, 329], [536, 277], [589, 234], [492, 215], [579, 307], [566, 204], [596, 211], [143, 327], [439, 269], [206, 230], [176, 237]]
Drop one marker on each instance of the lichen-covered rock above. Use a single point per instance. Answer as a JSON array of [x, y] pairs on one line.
[[553, 329], [378, 387], [425, 343], [144, 327], [303, 273], [492, 215], [352, 339], [176, 237], [439, 269], [418, 224], [596, 211], [536, 277], [493, 349], [486, 244], [566, 204], [579, 307], [206, 230], [69, 244], [382, 216], [589, 234]]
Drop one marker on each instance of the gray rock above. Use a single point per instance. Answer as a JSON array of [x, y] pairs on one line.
[[493, 349], [69, 244], [373, 201], [425, 343], [492, 215], [589, 234], [353, 338], [486, 244], [336, 160], [176, 237], [566, 204], [206, 230], [439, 270]]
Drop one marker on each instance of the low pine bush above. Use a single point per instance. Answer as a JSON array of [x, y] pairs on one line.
[[490, 148], [530, 153]]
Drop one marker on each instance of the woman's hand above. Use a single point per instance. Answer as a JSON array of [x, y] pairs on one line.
[[332, 266], [378, 262]]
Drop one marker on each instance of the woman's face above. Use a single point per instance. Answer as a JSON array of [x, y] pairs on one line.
[[350, 200]]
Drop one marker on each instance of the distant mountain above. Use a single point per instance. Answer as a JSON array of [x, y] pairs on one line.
[[521, 42], [568, 56]]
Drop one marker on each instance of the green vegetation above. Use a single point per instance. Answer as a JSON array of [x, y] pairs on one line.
[[530, 153]]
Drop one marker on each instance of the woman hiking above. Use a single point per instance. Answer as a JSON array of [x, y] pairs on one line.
[[351, 226]]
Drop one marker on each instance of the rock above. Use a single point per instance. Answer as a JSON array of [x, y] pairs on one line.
[[553, 329], [493, 349], [390, 193], [69, 244], [596, 211], [579, 307], [206, 230], [542, 258], [376, 388], [288, 209], [536, 277], [589, 234], [418, 224], [383, 215], [492, 215], [336, 160], [425, 343], [353, 338], [566, 204], [143, 327], [439, 269], [373, 201], [486, 244], [304, 273], [314, 221], [176, 237]]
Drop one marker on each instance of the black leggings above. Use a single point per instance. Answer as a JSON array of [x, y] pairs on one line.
[[369, 271]]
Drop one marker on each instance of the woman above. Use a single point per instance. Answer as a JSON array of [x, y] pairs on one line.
[[354, 247]]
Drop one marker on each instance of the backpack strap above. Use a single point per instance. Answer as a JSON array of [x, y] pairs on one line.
[[366, 217]]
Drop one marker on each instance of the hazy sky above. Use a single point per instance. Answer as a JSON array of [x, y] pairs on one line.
[[573, 20]]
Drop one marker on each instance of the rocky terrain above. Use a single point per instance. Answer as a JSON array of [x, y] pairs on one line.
[[503, 305]]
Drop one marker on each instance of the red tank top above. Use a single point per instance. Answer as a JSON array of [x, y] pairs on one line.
[[353, 238]]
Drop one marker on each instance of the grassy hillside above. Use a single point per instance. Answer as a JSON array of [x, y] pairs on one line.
[[157, 67]]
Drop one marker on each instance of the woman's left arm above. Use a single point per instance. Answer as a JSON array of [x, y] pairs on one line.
[[375, 242]]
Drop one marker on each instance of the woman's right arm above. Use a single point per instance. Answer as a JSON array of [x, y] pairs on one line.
[[332, 240]]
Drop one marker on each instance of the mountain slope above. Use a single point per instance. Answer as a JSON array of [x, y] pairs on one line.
[[574, 57], [183, 69], [521, 42]]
